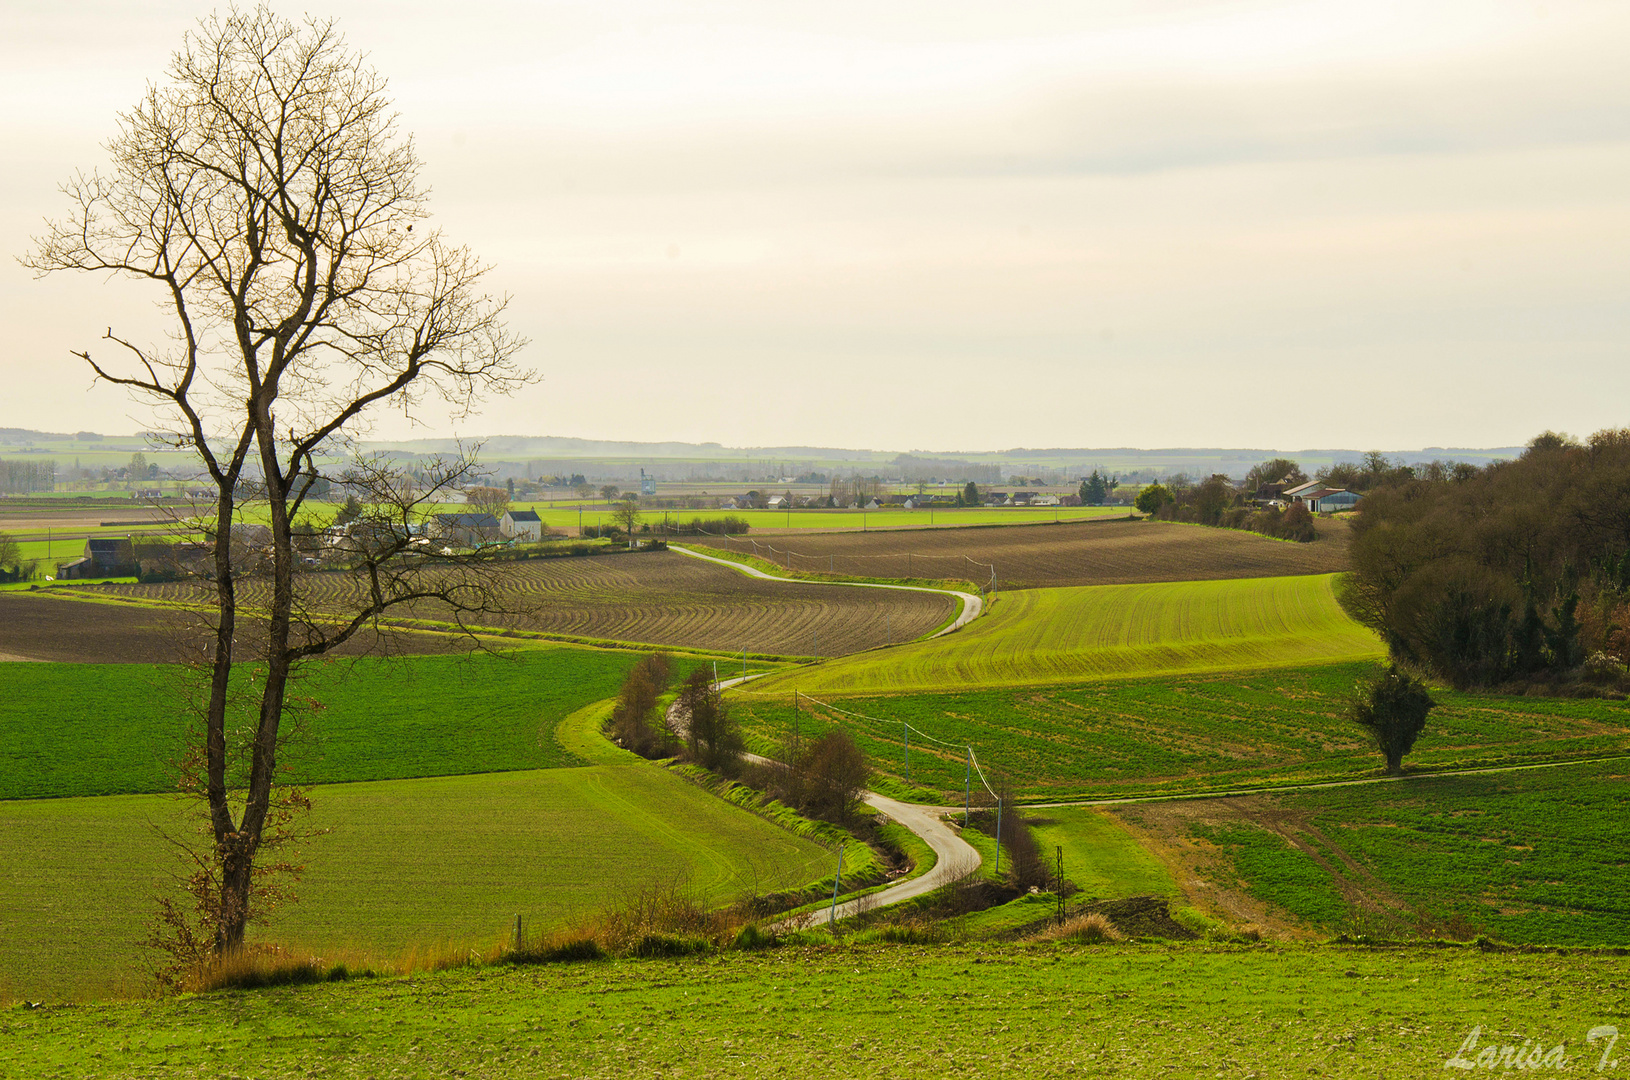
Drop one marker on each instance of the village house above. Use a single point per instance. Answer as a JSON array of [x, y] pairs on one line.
[[522, 525], [465, 530]]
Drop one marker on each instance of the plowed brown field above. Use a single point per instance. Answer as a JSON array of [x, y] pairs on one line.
[[36, 627], [663, 598], [1076, 553]]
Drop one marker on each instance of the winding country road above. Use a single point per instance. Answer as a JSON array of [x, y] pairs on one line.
[[972, 605], [955, 856]]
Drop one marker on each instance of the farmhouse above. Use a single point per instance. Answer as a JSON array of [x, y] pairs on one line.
[[466, 530], [1327, 500], [110, 556], [521, 525], [1291, 494]]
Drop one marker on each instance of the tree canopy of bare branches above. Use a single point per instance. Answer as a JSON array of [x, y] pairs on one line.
[[263, 189]]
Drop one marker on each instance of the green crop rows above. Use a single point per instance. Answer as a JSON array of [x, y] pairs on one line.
[[448, 861], [1048, 636], [1181, 733], [103, 729], [1530, 856]]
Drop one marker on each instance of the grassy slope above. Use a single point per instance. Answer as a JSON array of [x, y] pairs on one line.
[[1048, 636], [1186, 732], [101, 729], [420, 861], [898, 1011], [1531, 856]]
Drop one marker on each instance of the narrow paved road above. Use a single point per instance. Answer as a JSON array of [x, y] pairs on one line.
[[953, 856], [972, 605]]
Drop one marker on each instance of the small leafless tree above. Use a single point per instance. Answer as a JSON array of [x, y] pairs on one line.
[[627, 516], [264, 191], [487, 500]]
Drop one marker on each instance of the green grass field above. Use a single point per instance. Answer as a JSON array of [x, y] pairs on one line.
[[1182, 733], [443, 861], [1041, 637], [105, 729], [1131, 1011], [1531, 856], [1100, 857]]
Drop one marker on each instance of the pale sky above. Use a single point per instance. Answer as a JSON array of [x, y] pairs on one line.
[[955, 226]]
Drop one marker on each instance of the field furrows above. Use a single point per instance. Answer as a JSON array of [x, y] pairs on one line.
[[1073, 553], [34, 627], [1037, 637], [660, 598]]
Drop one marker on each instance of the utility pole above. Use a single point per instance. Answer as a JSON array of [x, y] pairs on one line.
[[998, 834], [1059, 884], [907, 729], [837, 881], [967, 788]]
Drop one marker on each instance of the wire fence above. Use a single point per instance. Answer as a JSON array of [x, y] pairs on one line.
[[893, 725]]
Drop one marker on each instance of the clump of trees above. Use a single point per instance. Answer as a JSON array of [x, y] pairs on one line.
[[729, 525], [822, 779], [1219, 503], [11, 555], [1152, 497], [22, 477], [637, 722], [1516, 573], [712, 736], [1096, 488], [1393, 709]]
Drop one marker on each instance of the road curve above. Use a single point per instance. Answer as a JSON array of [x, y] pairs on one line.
[[972, 605], [953, 856]]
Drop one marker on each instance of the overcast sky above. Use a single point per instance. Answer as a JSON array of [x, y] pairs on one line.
[[956, 226]]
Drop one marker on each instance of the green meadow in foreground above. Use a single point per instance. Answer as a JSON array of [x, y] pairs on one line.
[[1179, 733], [427, 863], [1531, 856], [114, 729], [1037, 637], [898, 1011]]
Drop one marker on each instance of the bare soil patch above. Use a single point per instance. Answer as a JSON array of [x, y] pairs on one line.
[[1116, 552], [1207, 879]]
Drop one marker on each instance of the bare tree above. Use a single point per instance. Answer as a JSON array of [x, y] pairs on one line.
[[264, 191], [608, 492], [488, 500], [627, 516]]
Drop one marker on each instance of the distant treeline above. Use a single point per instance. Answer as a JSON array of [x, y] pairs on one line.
[[22, 477], [1515, 572]]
